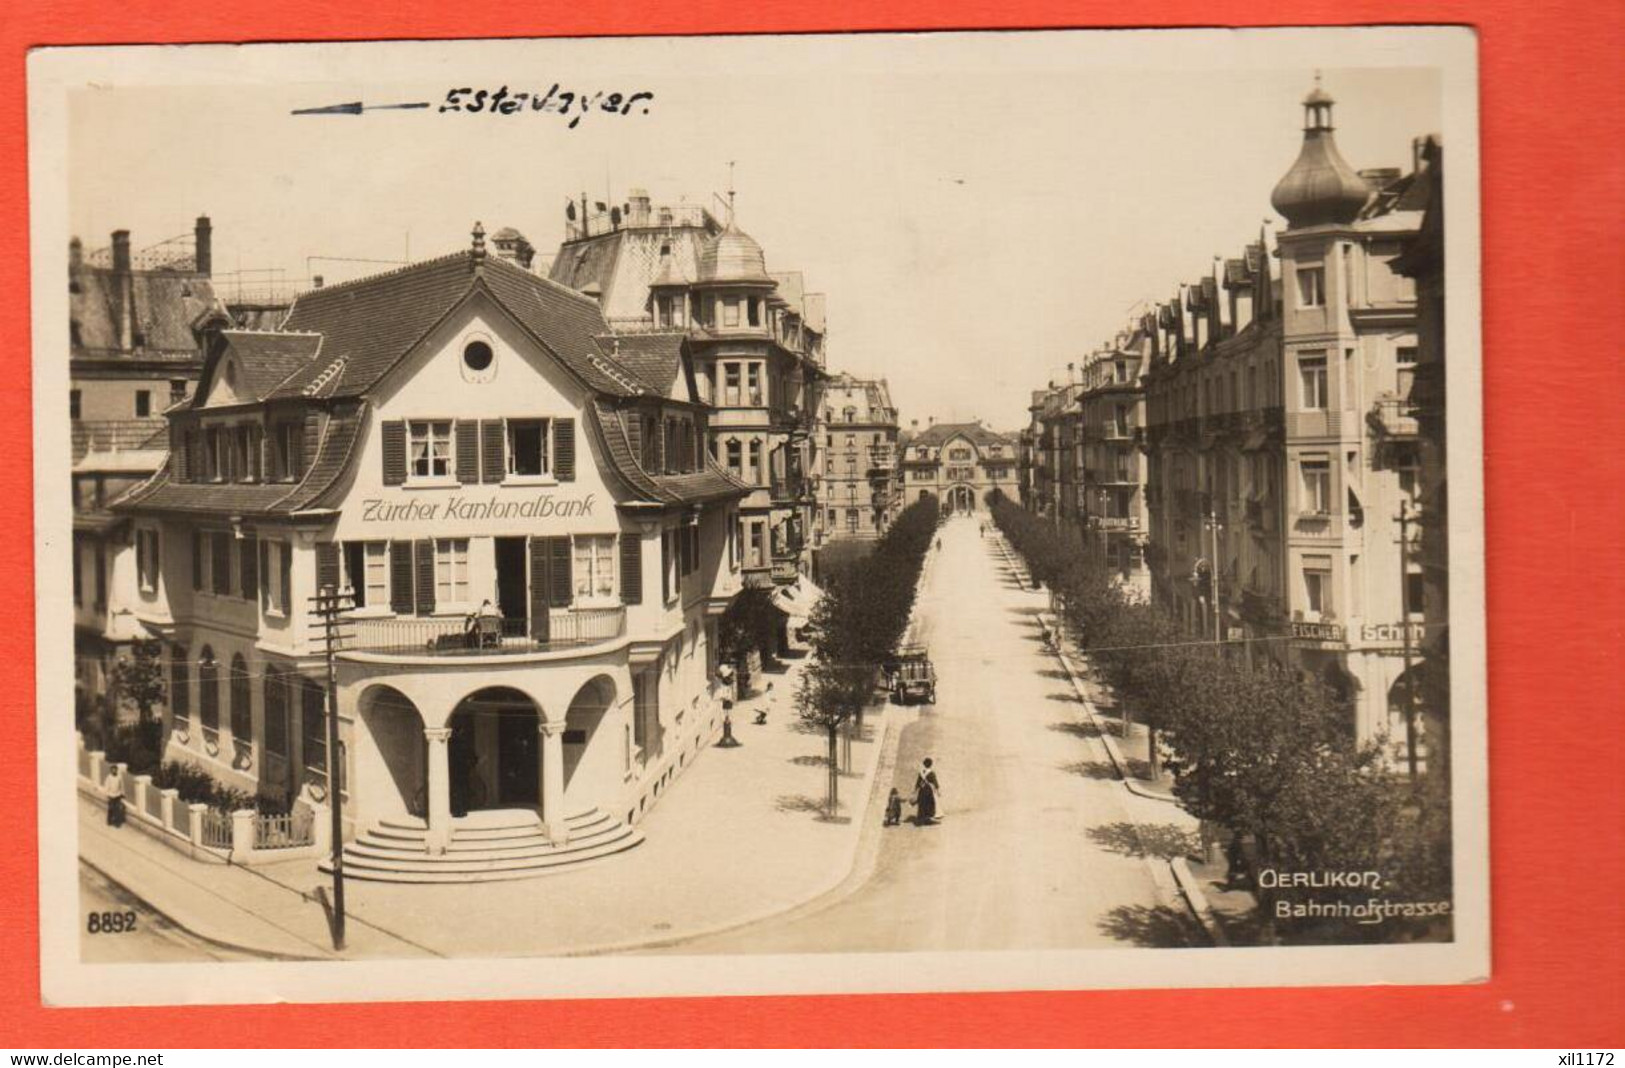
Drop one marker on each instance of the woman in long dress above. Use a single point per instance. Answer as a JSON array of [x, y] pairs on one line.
[[926, 789]]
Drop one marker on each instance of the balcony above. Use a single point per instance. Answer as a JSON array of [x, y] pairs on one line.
[[790, 488], [882, 459], [453, 636], [785, 572], [1391, 419]]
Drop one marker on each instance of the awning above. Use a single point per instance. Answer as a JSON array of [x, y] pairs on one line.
[[797, 599]]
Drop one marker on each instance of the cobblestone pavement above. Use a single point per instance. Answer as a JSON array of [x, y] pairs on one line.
[[1039, 846]]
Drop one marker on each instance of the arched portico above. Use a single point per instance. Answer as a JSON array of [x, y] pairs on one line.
[[589, 770], [962, 498], [392, 757], [494, 752]]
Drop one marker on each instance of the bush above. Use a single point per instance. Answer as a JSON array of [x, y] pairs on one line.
[[138, 746]]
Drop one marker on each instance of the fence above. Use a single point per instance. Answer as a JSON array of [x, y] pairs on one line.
[[288, 831], [202, 832], [216, 829]]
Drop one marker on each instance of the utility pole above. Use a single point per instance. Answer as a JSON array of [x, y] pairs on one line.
[[1405, 634], [327, 606]]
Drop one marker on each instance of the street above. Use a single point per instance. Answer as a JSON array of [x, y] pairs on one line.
[[1036, 848], [153, 939]]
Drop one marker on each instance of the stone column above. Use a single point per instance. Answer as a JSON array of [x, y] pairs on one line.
[[439, 814], [552, 772]]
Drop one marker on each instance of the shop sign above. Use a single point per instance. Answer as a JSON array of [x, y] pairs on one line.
[[1390, 637], [463, 508], [1317, 632]]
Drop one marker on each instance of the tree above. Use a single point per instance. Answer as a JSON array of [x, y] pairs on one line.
[[830, 696], [139, 678]]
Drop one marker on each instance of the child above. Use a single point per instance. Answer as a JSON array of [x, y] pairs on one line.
[[894, 809]]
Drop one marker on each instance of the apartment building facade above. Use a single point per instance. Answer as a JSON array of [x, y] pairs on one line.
[[855, 460], [756, 342], [1274, 514]]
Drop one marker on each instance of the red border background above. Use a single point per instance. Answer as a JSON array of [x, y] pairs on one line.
[[1554, 279]]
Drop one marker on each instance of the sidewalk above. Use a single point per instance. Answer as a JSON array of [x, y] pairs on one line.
[[740, 836]]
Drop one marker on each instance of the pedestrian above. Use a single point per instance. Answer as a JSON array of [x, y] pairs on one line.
[[926, 789], [894, 809]]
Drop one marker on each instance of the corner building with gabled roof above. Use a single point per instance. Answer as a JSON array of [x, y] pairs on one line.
[[536, 574]]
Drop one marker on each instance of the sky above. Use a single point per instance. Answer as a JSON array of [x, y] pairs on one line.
[[980, 210]]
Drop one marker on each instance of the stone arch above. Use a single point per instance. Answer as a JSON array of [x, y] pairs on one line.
[[495, 750], [588, 709], [395, 754]]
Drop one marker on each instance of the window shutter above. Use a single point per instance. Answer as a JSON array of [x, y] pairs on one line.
[[287, 577], [327, 565], [540, 589], [665, 566], [634, 435], [424, 552], [687, 463], [177, 453], [248, 566], [394, 452], [468, 451], [311, 443], [558, 552], [194, 456], [631, 569], [197, 560], [564, 450], [400, 577], [264, 566], [493, 450]]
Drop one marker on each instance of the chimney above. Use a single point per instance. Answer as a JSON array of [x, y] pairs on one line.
[[1418, 148], [930, 420], [317, 281], [123, 291], [638, 207], [203, 256], [914, 424], [76, 254]]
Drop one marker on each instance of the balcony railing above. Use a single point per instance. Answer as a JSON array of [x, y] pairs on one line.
[[882, 459], [484, 636], [1392, 418], [785, 571], [789, 488]]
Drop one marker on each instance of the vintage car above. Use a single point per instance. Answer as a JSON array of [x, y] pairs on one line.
[[910, 676]]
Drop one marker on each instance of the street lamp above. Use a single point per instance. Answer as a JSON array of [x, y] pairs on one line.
[[1211, 524]]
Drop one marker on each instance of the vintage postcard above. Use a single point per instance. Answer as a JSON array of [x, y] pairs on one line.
[[747, 515]]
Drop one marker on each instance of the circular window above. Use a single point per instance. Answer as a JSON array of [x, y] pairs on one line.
[[477, 356]]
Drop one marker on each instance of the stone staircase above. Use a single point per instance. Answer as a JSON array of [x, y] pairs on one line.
[[485, 846]]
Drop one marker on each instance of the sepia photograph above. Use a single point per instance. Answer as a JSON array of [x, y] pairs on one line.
[[757, 514]]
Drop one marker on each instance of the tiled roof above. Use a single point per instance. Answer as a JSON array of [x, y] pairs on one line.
[[166, 304], [709, 484], [655, 359], [339, 433], [976, 433], [372, 323], [267, 358]]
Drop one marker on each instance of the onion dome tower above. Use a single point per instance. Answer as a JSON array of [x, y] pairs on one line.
[[733, 257], [1321, 188]]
